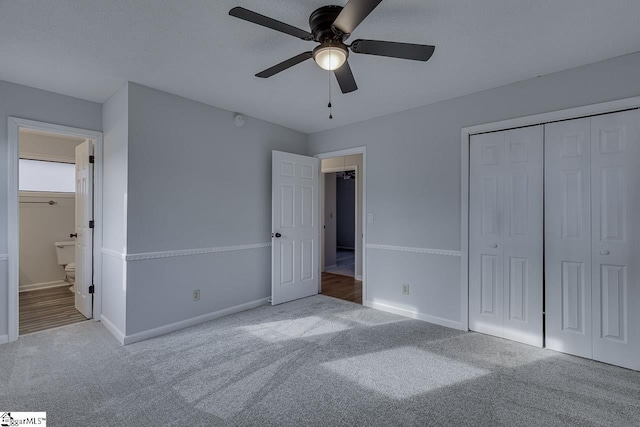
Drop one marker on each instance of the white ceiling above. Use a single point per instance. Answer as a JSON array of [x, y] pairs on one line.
[[90, 48]]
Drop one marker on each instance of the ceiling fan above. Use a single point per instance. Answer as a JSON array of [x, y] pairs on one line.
[[331, 26]]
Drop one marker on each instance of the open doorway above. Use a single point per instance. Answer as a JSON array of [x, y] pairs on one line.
[[51, 226], [48, 190], [342, 240]]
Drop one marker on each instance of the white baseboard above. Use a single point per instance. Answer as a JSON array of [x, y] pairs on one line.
[[4, 339], [43, 285], [358, 277], [414, 315], [330, 266], [172, 327], [113, 329]]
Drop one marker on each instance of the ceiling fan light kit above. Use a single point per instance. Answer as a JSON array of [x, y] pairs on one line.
[[331, 26], [330, 56]]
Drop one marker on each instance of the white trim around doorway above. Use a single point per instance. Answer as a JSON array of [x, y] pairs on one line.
[[363, 174], [538, 119], [14, 124]]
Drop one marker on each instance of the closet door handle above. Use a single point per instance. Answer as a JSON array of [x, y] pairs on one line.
[[604, 252], [493, 245]]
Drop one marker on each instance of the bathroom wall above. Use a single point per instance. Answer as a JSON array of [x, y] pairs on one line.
[[41, 225]]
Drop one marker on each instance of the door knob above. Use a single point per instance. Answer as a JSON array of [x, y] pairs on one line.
[[493, 245], [73, 235], [276, 235], [604, 252]]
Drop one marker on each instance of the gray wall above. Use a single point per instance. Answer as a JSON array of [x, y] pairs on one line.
[[115, 119], [197, 181], [345, 212], [413, 176], [330, 232], [34, 104]]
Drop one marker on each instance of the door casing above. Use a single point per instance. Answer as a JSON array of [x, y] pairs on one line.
[[360, 174], [14, 126]]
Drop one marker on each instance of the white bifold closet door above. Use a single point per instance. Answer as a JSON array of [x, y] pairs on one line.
[[506, 234], [592, 239]]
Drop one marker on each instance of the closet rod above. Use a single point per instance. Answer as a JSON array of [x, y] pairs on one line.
[[50, 202]]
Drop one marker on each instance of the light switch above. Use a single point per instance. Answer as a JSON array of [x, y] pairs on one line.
[[370, 218]]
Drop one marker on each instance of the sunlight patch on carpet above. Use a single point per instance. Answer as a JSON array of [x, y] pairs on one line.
[[404, 372]]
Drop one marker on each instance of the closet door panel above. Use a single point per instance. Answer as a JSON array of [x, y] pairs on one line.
[[615, 180], [568, 237], [486, 233], [523, 237]]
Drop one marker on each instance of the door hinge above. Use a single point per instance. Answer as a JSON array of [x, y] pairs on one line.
[[92, 159], [91, 224], [91, 289]]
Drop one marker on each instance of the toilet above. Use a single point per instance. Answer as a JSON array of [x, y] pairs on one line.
[[66, 252]]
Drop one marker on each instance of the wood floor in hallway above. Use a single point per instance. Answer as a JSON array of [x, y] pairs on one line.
[[343, 287], [47, 308]]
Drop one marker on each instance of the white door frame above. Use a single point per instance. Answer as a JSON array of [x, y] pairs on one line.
[[538, 119], [14, 125], [363, 173]]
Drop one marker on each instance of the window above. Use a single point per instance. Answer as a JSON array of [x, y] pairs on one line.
[[36, 175]]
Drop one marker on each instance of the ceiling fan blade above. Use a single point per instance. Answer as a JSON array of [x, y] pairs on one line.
[[415, 52], [353, 14], [256, 18], [345, 78], [284, 65]]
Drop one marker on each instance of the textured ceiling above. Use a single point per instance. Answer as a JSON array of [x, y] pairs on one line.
[[90, 48]]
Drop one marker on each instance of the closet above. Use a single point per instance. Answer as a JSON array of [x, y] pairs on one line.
[[554, 211]]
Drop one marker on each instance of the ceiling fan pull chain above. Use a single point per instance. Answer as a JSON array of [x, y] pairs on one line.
[[330, 106]]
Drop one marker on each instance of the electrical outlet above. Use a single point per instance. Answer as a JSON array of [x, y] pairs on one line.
[[370, 218], [196, 295], [405, 289]]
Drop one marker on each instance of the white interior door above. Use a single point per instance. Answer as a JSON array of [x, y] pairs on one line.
[[84, 239], [295, 228], [524, 235], [615, 251], [486, 233], [568, 237], [505, 230]]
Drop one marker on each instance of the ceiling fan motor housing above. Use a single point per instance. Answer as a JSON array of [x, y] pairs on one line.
[[321, 22]]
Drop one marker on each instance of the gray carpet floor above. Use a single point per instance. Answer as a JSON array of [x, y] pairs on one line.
[[315, 361]]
